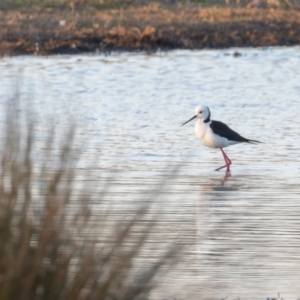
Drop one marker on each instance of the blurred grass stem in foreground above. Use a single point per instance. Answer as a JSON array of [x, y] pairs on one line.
[[58, 241]]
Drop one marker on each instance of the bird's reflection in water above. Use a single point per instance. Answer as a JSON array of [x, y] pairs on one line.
[[218, 227], [226, 177], [242, 223]]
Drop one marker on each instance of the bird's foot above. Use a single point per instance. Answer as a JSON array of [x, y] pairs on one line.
[[218, 169]]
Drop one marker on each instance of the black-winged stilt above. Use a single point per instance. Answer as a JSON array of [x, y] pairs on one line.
[[215, 134]]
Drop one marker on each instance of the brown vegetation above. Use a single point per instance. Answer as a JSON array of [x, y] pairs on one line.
[[150, 27]]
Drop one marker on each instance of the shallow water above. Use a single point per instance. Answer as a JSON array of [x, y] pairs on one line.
[[242, 232]]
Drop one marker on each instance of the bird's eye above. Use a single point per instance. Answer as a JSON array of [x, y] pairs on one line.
[[200, 112]]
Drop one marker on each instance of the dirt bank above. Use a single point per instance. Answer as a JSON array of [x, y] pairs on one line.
[[147, 28]]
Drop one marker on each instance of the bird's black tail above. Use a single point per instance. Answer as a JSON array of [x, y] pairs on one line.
[[253, 142]]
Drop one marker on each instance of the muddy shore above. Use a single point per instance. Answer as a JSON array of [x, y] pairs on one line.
[[149, 28]]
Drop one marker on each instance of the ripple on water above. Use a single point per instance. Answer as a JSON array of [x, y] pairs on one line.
[[242, 233]]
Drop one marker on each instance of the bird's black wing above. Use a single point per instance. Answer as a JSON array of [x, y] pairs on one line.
[[223, 130]]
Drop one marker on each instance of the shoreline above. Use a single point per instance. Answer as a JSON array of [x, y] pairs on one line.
[[151, 28]]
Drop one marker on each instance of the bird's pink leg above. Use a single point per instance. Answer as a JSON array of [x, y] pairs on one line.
[[218, 169], [227, 161], [227, 158]]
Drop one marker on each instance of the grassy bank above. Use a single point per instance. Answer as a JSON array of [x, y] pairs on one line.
[[67, 28], [103, 4]]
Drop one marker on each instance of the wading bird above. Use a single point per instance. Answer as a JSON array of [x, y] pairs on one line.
[[215, 134]]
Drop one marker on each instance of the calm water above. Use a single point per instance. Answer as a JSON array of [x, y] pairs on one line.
[[243, 233]]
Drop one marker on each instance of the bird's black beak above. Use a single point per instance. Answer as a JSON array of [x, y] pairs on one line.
[[189, 120]]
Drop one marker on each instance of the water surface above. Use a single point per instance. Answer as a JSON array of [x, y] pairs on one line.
[[242, 232]]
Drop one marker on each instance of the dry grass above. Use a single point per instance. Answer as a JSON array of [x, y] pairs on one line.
[[104, 4], [100, 4], [155, 15], [51, 30], [57, 241], [59, 16]]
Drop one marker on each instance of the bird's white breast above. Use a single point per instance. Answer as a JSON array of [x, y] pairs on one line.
[[208, 138]]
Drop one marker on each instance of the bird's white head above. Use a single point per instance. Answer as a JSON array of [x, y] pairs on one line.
[[201, 112]]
